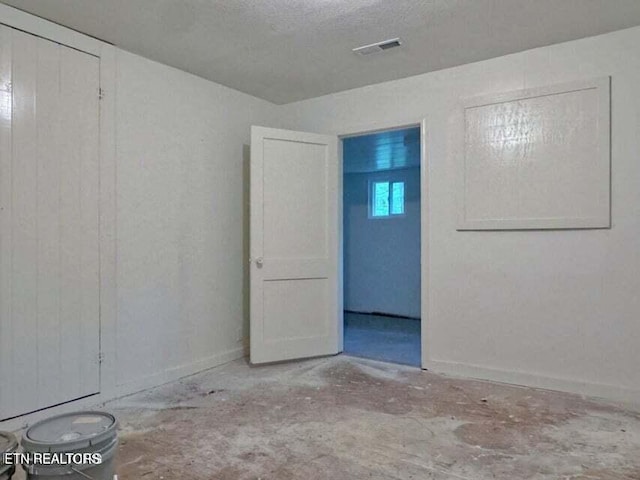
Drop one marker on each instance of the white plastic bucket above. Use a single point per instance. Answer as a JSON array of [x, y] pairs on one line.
[[72, 433]]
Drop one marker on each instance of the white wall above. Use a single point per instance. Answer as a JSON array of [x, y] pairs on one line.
[[558, 309], [381, 255], [180, 219]]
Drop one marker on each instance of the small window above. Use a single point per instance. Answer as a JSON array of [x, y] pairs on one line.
[[386, 199]]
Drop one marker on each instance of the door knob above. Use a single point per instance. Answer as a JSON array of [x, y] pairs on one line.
[[259, 261]]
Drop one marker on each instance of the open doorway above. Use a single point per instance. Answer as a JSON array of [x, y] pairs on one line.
[[381, 235]]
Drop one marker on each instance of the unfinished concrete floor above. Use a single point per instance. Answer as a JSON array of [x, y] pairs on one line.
[[345, 419]]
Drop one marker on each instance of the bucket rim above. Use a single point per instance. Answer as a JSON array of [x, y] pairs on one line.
[[30, 445]]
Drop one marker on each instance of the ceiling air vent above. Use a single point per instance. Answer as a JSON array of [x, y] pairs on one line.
[[378, 47]]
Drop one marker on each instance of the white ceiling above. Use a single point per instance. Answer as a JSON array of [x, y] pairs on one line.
[[288, 50]]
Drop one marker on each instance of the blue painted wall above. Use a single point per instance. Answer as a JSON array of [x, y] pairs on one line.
[[382, 256]]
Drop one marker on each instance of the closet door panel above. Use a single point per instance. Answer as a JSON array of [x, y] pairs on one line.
[[79, 167], [50, 347], [24, 312], [6, 220], [49, 243]]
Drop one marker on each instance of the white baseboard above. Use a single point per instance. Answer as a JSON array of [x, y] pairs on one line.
[[612, 393], [626, 396], [175, 373], [155, 380]]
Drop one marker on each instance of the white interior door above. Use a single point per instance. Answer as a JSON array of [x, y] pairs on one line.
[[294, 245], [49, 170]]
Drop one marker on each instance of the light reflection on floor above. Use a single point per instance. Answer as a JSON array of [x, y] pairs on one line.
[[383, 338]]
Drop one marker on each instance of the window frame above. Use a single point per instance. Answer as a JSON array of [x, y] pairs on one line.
[[371, 199]]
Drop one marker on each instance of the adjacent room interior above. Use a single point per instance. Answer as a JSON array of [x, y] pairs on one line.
[[318, 239], [381, 245]]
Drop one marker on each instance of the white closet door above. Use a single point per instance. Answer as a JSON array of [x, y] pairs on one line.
[[49, 190]]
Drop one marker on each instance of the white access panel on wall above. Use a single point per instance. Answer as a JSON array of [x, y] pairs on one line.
[[49, 251], [537, 159]]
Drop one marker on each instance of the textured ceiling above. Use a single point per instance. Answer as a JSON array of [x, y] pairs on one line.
[[288, 50]]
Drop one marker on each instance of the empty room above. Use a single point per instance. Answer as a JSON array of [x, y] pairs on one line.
[[319, 239]]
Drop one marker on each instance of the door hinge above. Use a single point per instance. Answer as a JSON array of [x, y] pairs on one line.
[[100, 358], [100, 93]]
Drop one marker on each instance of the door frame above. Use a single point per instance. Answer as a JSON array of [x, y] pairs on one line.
[[425, 231]]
